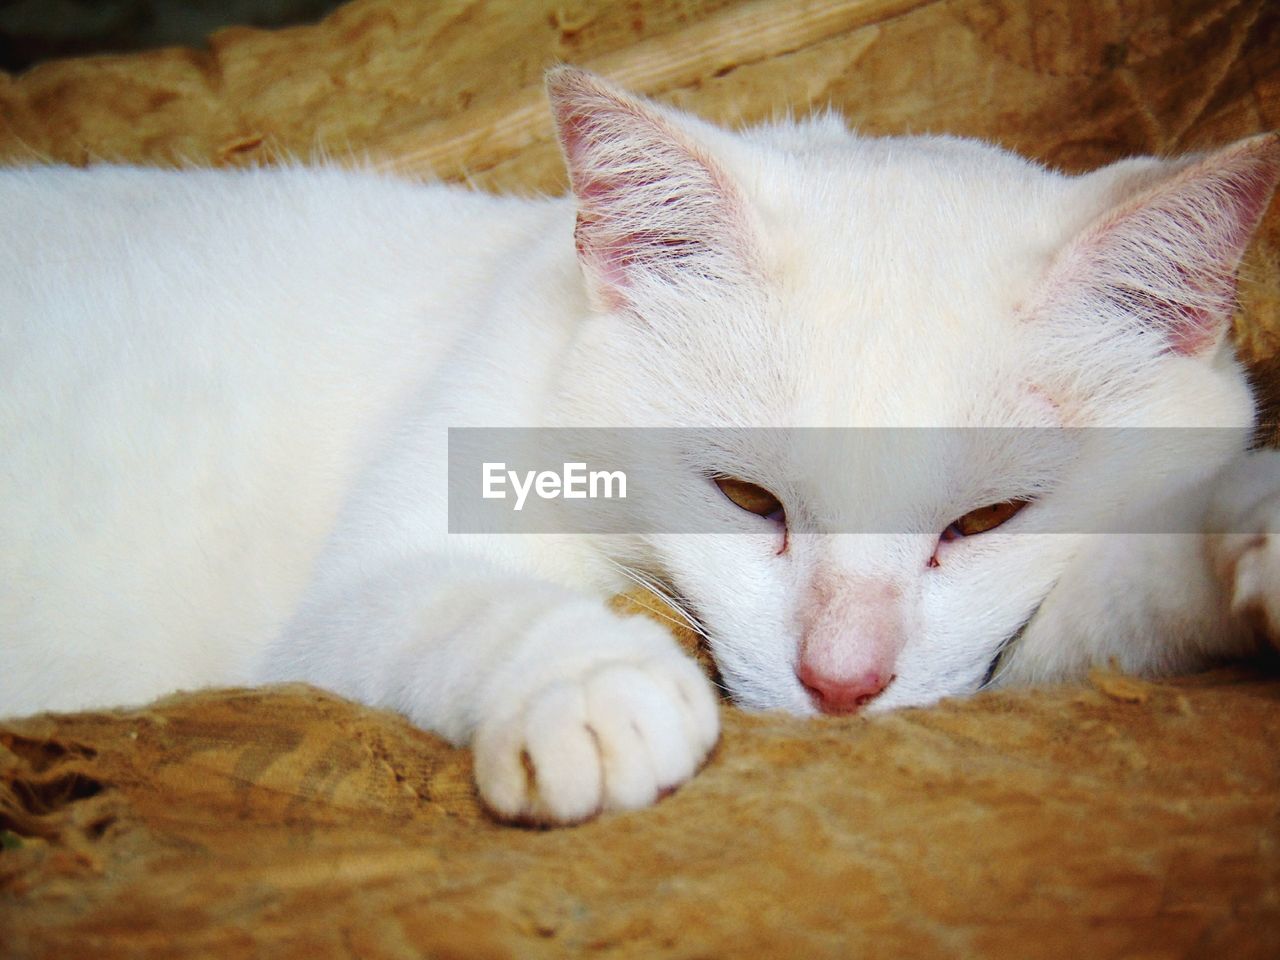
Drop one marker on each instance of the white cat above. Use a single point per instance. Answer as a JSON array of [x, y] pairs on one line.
[[226, 397]]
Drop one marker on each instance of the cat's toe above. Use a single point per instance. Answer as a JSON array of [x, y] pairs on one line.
[[1244, 548], [616, 738], [644, 736], [541, 766], [1247, 555], [1255, 588]]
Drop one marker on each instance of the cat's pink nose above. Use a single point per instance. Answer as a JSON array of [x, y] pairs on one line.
[[837, 695]]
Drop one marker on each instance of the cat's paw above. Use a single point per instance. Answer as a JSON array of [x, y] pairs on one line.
[[616, 732], [1246, 556], [1250, 565]]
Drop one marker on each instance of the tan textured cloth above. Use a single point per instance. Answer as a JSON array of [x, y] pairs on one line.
[[1135, 820], [1125, 819]]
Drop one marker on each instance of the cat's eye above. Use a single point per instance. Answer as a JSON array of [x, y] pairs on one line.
[[984, 519], [750, 497]]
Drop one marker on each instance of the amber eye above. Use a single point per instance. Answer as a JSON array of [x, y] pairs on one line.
[[983, 519], [750, 497]]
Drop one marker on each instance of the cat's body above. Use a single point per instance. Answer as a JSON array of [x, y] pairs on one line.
[[155, 434], [226, 397]]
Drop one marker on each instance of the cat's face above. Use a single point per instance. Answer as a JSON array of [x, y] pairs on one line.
[[931, 312]]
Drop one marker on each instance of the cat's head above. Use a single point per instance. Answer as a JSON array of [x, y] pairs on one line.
[[797, 276]]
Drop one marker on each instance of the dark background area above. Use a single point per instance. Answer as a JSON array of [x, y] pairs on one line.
[[35, 30]]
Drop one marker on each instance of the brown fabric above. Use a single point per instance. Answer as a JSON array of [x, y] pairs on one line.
[[1130, 820], [1125, 819]]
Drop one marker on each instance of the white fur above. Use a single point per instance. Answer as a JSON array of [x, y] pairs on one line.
[[226, 396]]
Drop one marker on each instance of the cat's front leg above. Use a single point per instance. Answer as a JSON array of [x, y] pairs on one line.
[[571, 708], [1244, 542]]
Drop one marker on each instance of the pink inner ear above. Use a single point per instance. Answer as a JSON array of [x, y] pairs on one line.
[[576, 128], [600, 235], [1190, 325], [593, 191], [648, 200], [1169, 258]]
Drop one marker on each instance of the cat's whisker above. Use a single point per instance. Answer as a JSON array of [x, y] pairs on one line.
[[676, 605], [651, 584], [659, 613]]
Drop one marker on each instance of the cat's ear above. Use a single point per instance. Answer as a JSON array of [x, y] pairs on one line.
[[655, 210], [1166, 254]]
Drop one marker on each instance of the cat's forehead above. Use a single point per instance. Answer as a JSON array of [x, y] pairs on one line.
[[939, 203], [899, 266]]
